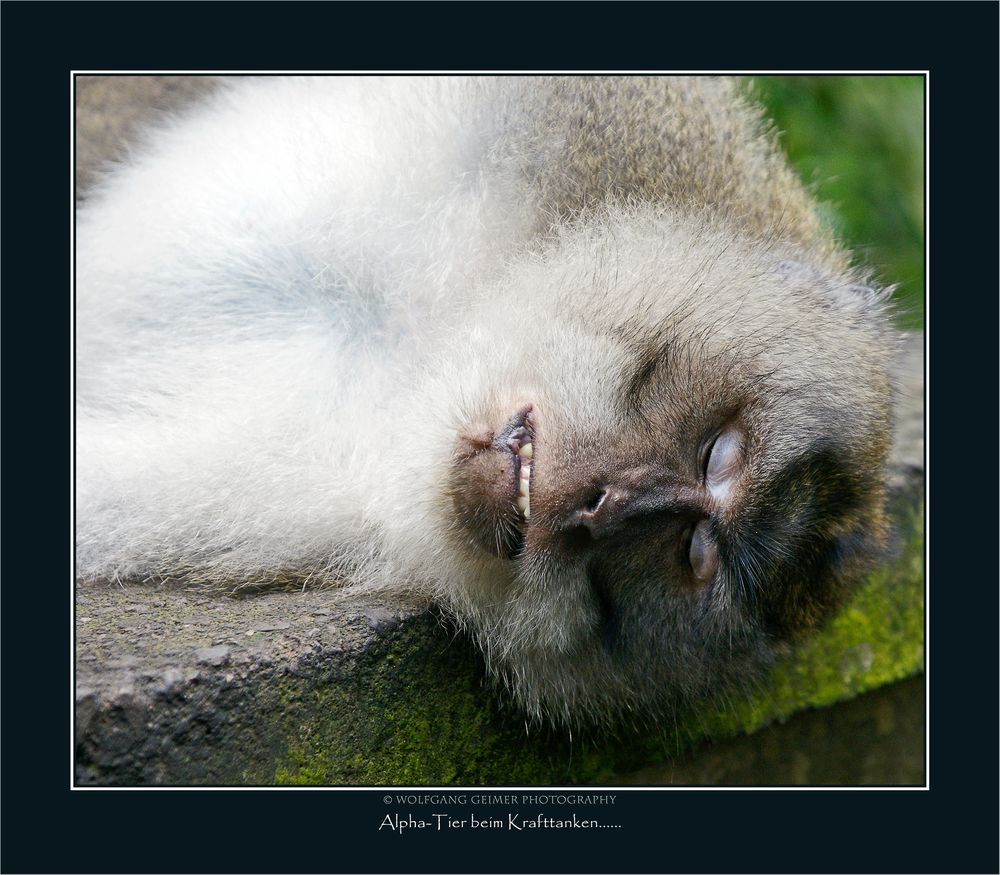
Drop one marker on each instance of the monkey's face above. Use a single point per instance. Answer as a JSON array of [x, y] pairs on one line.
[[666, 499]]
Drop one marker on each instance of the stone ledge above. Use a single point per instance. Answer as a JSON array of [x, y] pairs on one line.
[[179, 687]]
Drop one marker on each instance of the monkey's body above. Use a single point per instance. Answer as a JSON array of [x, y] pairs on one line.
[[319, 321]]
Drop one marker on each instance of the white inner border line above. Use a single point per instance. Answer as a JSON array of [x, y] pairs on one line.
[[531, 789]]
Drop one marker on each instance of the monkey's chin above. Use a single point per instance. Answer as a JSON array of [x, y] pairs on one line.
[[491, 480]]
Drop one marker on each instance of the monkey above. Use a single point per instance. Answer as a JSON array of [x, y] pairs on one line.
[[575, 357]]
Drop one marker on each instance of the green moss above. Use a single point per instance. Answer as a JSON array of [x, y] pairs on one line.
[[398, 725]]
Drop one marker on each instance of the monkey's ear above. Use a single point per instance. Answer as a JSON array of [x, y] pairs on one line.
[[836, 291]]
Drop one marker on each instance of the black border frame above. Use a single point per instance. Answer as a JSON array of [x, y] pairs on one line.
[[951, 827]]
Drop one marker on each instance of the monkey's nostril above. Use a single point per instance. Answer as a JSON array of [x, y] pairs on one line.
[[588, 516], [596, 501]]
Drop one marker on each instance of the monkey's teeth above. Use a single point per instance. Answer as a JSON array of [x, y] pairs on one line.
[[524, 489], [524, 505], [525, 451]]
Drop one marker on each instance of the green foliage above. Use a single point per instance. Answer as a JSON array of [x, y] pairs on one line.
[[858, 142]]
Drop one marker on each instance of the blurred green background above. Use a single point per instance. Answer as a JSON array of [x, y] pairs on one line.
[[858, 143]]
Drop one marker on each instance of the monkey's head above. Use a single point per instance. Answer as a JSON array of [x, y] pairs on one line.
[[668, 463]]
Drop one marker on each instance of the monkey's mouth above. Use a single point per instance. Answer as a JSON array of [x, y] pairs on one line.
[[520, 442], [491, 484]]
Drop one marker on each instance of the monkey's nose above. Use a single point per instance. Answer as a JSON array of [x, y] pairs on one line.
[[605, 512], [614, 507]]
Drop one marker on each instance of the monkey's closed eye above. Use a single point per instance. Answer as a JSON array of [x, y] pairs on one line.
[[702, 552], [724, 460]]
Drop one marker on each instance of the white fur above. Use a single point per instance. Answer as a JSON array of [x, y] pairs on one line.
[[258, 293]]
